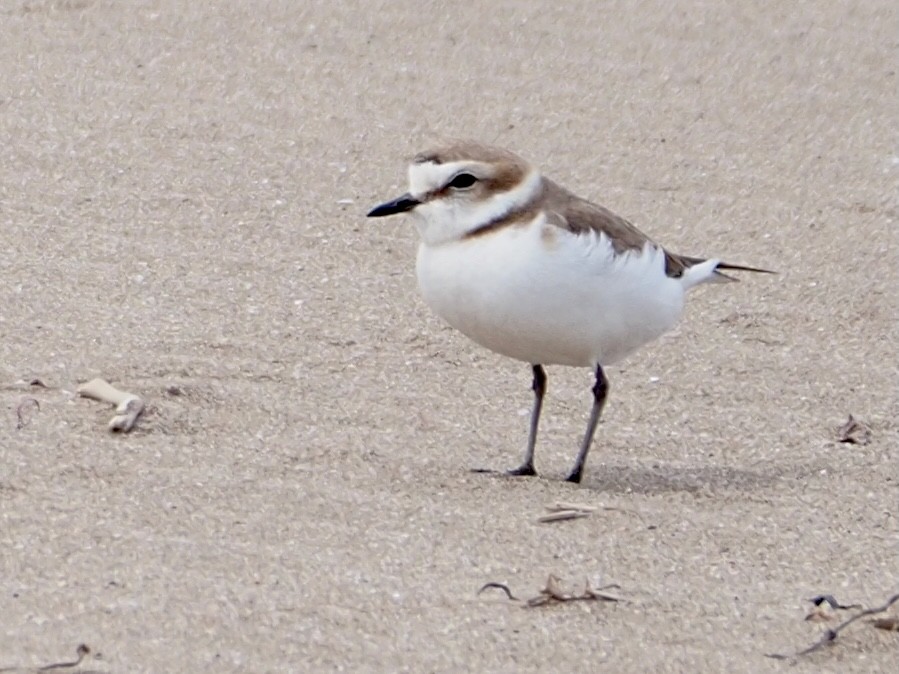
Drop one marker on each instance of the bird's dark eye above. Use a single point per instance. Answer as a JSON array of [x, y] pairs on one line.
[[462, 181]]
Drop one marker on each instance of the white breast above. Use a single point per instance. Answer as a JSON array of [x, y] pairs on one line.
[[541, 294]]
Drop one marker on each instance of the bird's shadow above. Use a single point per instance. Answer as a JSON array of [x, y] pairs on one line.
[[667, 478]]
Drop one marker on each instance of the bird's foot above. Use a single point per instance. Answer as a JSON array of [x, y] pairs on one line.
[[575, 476], [522, 471], [525, 470]]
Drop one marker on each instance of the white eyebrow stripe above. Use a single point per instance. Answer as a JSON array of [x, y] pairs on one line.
[[428, 177]]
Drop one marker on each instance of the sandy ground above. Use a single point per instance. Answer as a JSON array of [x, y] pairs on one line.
[[182, 199]]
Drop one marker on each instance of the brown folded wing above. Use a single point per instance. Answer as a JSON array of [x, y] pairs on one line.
[[562, 208], [577, 215]]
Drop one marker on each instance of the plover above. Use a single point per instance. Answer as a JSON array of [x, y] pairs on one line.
[[529, 270]]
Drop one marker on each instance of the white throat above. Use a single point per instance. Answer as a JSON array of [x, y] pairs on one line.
[[450, 218]]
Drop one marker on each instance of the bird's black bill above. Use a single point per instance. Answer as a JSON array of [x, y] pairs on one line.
[[398, 205]]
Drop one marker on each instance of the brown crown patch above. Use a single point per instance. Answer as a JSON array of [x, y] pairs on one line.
[[502, 170]]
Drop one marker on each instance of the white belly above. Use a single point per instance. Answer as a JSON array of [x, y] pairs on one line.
[[543, 295]]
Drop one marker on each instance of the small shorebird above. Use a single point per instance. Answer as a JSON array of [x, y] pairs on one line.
[[531, 271]]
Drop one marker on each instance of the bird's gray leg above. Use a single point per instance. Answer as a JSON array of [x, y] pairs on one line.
[[600, 392], [539, 386]]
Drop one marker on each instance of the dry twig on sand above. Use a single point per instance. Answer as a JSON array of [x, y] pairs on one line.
[[22, 417], [831, 634], [499, 586], [128, 405], [888, 624], [560, 512], [826, 607], [831, 601], [82, 651], [552, 593], [854, 432]]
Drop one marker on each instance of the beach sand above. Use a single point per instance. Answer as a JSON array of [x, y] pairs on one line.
[[183, 188]]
